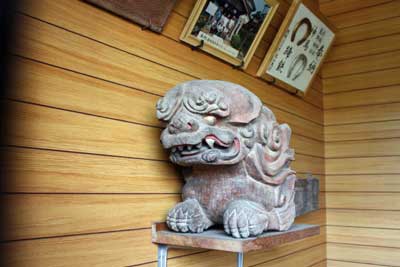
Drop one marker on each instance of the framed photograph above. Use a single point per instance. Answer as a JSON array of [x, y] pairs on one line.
[[229, 29], [299, 48]]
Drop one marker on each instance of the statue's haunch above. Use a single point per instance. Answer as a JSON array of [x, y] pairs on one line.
[[235, 159]]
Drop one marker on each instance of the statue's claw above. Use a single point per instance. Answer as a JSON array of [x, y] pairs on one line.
[[188, 216], [244, 218]]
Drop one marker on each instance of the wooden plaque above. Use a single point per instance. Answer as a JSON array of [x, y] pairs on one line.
[[150, 14], [298, 49]]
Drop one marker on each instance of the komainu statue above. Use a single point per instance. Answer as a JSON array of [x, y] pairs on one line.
[[235, 160]]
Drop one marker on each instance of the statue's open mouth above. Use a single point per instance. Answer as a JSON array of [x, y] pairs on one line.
[[211, 148]]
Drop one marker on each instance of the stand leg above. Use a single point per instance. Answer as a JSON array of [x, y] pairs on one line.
[[162, 255], [240, 259]]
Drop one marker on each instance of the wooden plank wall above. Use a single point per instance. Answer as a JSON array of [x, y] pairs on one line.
[[86, 174], [362, 132]]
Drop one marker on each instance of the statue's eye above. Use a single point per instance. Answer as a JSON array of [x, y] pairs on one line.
[[210, 120]]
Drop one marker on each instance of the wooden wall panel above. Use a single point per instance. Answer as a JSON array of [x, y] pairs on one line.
[[72, 214], [364, 236], [42, 127], [367, 31], [51, 86], [385, 219], [336, 7], [304, 258], [363, 97], [300, 125], [259, 257], [364, 47], [362, 131], [314, 217], [45, 171], [370, 113], [362, 119], [184, 8], [360, 81], [370, 165], [86, 174], [365, 254], [168, 52], [387, 60], [363, 148], [356, 16], [317, 84], [363, 183], [320, 264], [308, 164], [122, 248], [46, 215], [47, 85], [336, 263], [362, 200], [46, 43], [56, 129]]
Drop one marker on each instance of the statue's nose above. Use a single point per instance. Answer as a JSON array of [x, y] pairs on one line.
[[180, 125]]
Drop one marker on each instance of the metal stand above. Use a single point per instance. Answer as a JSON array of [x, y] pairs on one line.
[[240, 257], [197, 47], [162, 255], [236, 67]]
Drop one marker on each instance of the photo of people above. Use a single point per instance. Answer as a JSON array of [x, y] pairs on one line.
[[231, 25]]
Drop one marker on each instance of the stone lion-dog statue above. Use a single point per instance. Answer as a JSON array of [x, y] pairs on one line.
[[234, 156]]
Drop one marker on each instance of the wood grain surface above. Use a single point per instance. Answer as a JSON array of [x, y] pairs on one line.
[[362, 119], [85, 170]]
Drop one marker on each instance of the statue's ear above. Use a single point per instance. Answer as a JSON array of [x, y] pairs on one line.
[[169, 104], [243, 105]]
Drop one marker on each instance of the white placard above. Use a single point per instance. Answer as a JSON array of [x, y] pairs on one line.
[[296, 64], [218, 42]]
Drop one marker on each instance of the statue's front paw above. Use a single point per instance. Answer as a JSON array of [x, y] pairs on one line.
[[245, 218], [188, 216]]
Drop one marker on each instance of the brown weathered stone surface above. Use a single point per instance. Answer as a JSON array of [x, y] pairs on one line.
[[307, 195], [234, 156], [218, 240]]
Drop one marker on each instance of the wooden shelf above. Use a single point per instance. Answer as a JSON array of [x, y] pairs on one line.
[[217, 239]]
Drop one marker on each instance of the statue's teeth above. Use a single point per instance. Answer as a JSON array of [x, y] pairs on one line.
[[198, 145], [173, 149], [210, 142], [189, 147], [180, 148]]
